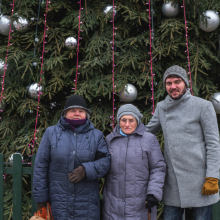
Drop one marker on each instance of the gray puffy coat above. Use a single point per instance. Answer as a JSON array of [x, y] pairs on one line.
[[192, 150], [137, 169]]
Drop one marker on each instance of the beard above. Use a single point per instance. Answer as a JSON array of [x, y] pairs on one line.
[[179, 96]]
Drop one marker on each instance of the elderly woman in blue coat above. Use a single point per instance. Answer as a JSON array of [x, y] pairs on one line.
[[137, 172], [71, 157]]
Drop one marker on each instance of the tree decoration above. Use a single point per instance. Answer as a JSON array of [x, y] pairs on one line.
[[108, 10], [70, 42], [2, 66], [187, 45], [21, 24], [34, 90], [5, 25], [11, 157], [41, 72], [170, 9], [151, 58], [2, 106], [215, 100], [211, 21], [113, 65], [79, 38], [129, 93], [6, 58]]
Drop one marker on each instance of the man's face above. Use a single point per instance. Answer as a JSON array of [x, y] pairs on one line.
[[175, 87]]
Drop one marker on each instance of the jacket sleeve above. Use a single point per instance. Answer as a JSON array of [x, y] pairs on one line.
[[41, 167], [154, 124], [157, 169], [211, 134], [101, 165]]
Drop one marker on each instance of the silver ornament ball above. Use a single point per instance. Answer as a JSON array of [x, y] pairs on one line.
[[70, 42], [108, 11], [2, 66], [129, 94], [34, 89], [170, 10], [2, 105], [21, 24], [5, 24], [216, 104], [11, 157], [212, 19]]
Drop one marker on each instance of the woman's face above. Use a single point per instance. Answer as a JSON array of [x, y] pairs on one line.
[[76, 114], [128, 124]]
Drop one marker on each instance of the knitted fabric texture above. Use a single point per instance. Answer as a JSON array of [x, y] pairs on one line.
[[176, 70], [129, 109], [75, 101]]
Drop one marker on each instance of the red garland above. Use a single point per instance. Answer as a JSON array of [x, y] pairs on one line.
[[113, 66], [151, 61], [187, 45], [77, 61], [41, 71]]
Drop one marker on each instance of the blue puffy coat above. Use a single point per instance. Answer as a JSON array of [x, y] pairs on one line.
[[61, 151]]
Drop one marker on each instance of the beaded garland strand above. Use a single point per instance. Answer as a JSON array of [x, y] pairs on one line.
[[151, 61], [187, 46], [79, 38], [41, 72]]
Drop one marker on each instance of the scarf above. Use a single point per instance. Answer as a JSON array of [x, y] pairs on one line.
[[75, 123]]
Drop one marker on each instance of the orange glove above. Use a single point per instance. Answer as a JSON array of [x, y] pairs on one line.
[[210, 186]]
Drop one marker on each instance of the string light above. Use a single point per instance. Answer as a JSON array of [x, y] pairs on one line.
[[151, 61], [79, 38], [187, 45], [113, 66], [6, 58], [41, 72]]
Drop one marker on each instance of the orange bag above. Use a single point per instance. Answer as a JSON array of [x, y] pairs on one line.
[[43, 214]]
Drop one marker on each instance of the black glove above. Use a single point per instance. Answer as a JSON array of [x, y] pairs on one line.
[[41, 205], [77, 175], [151, 202]]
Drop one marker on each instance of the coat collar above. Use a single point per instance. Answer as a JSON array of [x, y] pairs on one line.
[[81, 129], [116, 132], [171, 103]]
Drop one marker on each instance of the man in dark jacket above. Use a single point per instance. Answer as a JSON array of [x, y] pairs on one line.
[[191, 151], [71, 157]]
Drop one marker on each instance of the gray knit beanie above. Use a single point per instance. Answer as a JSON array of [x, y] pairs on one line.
[[175, 70], [129, 109]]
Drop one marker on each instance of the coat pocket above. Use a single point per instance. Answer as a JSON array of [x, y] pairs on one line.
[[141, 157]]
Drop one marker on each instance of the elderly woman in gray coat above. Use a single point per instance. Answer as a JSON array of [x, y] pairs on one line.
[[136, 177]]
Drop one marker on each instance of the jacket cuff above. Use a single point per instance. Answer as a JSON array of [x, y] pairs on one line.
[[41, 198], [212, 174], [88, 170]]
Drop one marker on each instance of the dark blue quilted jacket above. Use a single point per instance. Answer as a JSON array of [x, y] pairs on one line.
[[61, 151]]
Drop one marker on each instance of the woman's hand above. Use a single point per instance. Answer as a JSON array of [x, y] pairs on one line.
[[77, 175], [41, 205], [150, 202]]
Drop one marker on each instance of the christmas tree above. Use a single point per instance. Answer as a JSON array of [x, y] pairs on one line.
[[95, 57]]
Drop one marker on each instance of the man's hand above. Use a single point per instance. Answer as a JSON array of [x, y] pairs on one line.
[[210, 186], [77, 175]]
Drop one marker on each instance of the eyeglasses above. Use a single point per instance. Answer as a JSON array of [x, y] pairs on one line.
[[130, 121]]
